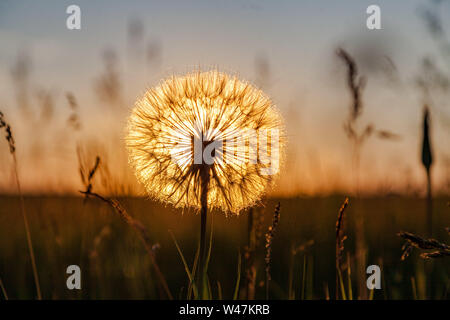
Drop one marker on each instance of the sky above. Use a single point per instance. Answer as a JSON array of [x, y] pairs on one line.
[[296, 40]]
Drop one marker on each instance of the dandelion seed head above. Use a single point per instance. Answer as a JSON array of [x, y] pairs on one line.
[[210, 107]]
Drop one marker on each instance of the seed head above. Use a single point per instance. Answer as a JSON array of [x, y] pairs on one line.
[[212, 114]]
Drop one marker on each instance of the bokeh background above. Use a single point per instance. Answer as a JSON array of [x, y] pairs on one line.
[[67, 95]]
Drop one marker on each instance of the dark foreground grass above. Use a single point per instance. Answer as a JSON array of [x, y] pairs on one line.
[[115, 264]]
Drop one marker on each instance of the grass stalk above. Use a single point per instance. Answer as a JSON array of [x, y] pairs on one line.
[[5, 295], [349, 278], [141, 232], [186, 267], [414, 288], [219, 291], [303, 278], [27, 231], [12, 150], [238, 280], [340, 238], [269, 239]]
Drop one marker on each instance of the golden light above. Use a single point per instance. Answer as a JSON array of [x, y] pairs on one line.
[[212, 114]]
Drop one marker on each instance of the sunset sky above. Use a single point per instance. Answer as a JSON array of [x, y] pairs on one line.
[[295, 40]]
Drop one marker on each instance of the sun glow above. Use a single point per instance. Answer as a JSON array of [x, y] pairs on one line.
[[200, 114]]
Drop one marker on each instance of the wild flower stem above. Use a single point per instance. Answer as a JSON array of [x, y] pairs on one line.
[[203, 220]]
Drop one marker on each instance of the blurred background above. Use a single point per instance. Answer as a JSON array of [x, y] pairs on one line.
[[67, 95]]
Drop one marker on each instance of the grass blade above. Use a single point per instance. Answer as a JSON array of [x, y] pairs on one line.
[[349, 278], [194, 271], [291, 293], [3, 289], [210, 244], [238, 280], [219, 290], [186, 267], [341, 284], [208, 283], [303, 278]]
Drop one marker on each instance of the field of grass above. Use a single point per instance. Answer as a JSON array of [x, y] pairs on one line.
[[347, 114], [114, 263]]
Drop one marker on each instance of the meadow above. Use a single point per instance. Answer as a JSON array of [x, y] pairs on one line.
[[89, 180], [114, 264]]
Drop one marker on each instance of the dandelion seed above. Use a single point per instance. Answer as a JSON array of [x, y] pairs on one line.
[[218, 109]]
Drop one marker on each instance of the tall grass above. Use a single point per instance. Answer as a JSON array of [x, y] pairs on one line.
[[140, 229], [296, 250], [269, 239], [427, 161], [2, 287], [436, 249], [358, 135], [255, 220], [340, 238], [12, 150]]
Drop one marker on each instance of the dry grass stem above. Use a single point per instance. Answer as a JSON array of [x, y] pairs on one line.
[[2, 287], [12, 149], [255, 232], [135, 224], [340, 238], [414, 241], [269, 239]]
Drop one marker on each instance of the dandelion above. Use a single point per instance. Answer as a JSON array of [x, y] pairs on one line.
[[212, 107], [223, 120]]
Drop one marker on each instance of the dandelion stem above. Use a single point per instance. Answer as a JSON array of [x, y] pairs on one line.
[[203, 220], [202, 247]]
